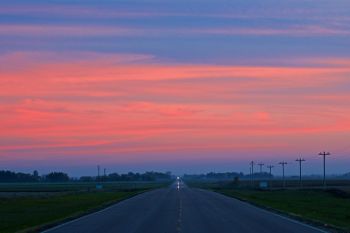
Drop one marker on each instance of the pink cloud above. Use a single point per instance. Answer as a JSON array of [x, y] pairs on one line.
[[96, 106]]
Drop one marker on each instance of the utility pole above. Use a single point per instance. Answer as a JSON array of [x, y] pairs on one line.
[[300, 160], [252, 174], [270, 168], [98, 172], [324, 154], [284, 181], [261, 164], [104, 174]]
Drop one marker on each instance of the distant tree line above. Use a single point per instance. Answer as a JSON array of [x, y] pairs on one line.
[[147, 176], [257, 176], [56, 177], [226, 176], [215, 176], [9, 176]]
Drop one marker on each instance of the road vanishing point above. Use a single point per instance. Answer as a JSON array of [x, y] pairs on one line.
[[180, 209]]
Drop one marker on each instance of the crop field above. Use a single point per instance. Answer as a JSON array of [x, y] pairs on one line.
[[33, 206], [328, 207], [272, 183], [73, 186]]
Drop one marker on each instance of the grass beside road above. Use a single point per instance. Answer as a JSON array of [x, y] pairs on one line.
[[75, 186], [24, 212], [330, 206]]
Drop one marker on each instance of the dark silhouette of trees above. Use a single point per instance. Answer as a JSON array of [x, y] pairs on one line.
[[147, 176], [57, 177], [227, 176], [216, 176], [8, 176], [36, 174]]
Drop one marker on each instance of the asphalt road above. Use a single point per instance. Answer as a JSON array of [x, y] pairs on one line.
[[179, 209]]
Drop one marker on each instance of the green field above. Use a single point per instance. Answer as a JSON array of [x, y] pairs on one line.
[[273, 183], [25, 206], [327, 207], [320, 206], [74, 186]]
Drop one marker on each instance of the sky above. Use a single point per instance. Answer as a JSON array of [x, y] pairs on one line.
[[187, 86]]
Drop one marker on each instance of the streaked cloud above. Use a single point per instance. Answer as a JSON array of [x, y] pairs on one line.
[[122, 31], [172, 82], [139, 108]]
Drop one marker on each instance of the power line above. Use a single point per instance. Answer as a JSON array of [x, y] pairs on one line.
[[283, 163], [324, 154], [300, 160]]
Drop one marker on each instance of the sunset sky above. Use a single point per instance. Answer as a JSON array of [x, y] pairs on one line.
[[186, 85]]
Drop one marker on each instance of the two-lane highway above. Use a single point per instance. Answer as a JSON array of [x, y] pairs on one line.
[[179, 209]]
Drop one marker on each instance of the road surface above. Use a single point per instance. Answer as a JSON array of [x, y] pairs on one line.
[[179, 209]]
